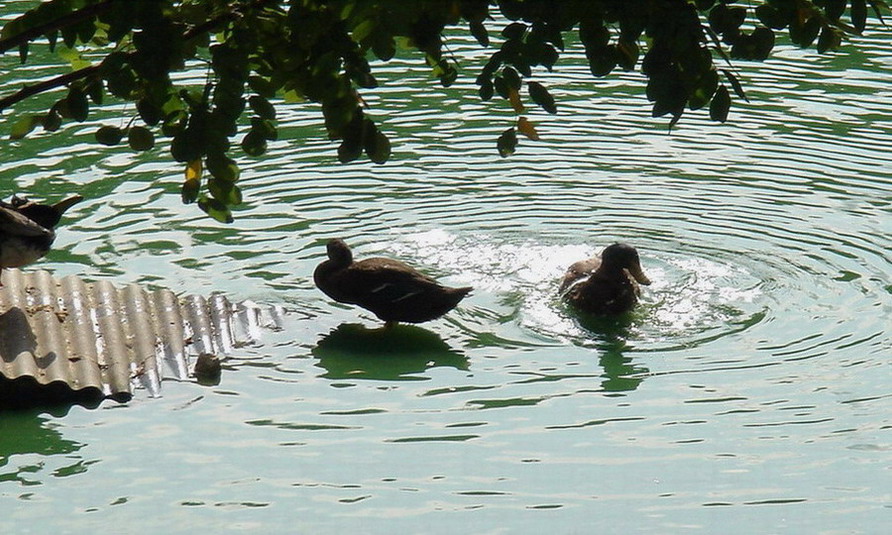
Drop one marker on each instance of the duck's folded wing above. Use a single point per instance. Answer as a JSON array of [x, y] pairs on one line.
[[577, 272], [13, 223], [385, 285]]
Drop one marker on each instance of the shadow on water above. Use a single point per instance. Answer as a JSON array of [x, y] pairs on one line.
[[25, 433], [610, 337], [353, 351], [19, 351]]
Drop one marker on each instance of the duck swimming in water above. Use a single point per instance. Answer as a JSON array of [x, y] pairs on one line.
[[605, 284], [27, 229], [390, 289]]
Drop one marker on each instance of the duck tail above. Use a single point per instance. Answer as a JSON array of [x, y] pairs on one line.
[[462, 292]]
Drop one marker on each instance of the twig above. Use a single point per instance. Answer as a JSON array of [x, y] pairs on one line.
[[66, 20], [30, 90], [59, 81]]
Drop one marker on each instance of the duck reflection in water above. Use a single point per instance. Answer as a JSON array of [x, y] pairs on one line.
[[609, 337], [400, 352]]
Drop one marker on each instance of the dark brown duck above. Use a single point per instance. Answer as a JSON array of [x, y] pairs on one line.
[[27, 229], [390, 289], [605, 284]]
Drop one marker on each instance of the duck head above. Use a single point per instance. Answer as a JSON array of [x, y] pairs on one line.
[[620, 257], [339, 253]]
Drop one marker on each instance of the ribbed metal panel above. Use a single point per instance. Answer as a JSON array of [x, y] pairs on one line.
[[66, 339]]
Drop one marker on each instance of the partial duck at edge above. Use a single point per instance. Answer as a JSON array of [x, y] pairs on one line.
[[27, 229]]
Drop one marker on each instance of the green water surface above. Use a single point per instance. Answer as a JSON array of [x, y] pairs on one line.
[[748, 394]]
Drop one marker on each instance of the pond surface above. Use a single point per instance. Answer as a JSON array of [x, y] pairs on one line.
[[748, 394]]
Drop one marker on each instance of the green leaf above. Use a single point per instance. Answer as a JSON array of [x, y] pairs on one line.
[[23, 126], [86, 29], [140, 138], [706, 88], [594, 34], [721, 104], [190, 189], [262, 107], [148, 111], [676, 116], [545, 55], [363, 30], [763, 43], [73, 57], [78, 106], [859, 15], [377, 147], [601, 60], [834, 9], [174, 123], [830, 39], [95, 90], [186, 146], [511, 78], [771, 17], [215, 209], [501, 87], [69, 36], [254, 143], [507, 142], [878, 6], [265, 128], [52, 121], [807, 33], [262, 86], [350, 149], [109, 135], [224, 191], [486, 89], [443, 70], [542, 97], [478, 30], [222, 167], [736, 16], [627, 54], [515, 30], [383, 47], [735, 83], [725, 20]]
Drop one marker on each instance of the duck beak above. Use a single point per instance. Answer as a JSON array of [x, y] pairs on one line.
[[61, 206], [635, 271]]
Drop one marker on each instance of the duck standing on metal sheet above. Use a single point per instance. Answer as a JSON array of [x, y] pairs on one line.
[[388, 288], [605, 285], [26, 229]]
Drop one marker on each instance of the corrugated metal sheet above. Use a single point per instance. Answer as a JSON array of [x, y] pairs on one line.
[[69, 340]]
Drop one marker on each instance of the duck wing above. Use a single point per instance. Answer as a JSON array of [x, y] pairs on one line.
[[394, 291], [13, 223], [578, 271], [375, 282]]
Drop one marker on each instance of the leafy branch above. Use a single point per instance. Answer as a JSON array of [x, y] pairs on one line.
[[265, 51], [51, 27]]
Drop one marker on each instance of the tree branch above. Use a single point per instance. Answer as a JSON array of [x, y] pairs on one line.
[[59, 81], [80, 74], [66, 20]]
